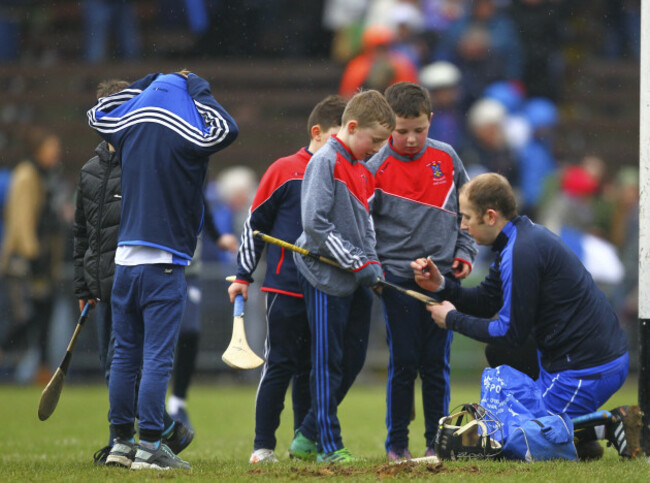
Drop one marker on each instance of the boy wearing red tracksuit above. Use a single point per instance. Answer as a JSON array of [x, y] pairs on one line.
[[415, 211], [276, 211]]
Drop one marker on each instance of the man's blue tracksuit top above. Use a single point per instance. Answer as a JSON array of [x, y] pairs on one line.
[[164, 128], [538, 285]]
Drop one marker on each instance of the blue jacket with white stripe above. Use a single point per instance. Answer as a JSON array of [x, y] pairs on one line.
[[164, 128], [537, 284]]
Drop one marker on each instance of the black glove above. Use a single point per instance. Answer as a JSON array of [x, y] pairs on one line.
[[369, 274]]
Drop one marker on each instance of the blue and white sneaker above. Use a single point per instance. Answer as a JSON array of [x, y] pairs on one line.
[[158, 459]]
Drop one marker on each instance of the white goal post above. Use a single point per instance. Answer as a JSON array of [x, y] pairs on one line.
[[644, 226]]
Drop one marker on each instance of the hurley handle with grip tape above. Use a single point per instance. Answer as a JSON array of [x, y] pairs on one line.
[[238, 309]]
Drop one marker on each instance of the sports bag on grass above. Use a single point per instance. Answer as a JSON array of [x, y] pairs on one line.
[[529, 433], [545, 438]]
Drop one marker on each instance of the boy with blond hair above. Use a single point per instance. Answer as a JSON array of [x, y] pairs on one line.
[[415, 211], [336, 191]]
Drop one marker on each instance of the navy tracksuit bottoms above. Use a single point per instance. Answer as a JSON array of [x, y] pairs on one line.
[[416, 345], [287, 354], [339, 340], [147, 304]]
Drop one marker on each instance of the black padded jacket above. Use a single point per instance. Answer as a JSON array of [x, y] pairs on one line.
[[96, 225]]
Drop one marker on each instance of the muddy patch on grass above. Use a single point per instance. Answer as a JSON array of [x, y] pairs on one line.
[[382, 471]]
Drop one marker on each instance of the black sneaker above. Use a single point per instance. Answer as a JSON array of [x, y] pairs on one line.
[[122, 453], [179, 437], [624, 430], [101, 454], [159, 459], [182, 417]]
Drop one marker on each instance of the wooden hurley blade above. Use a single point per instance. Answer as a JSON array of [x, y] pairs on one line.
[[52, 392], [239, 355], [50, 395]]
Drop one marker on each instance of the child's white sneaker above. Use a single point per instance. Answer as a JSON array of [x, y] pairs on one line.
[[263, 455]]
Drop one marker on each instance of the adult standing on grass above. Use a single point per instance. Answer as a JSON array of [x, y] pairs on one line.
[[32, 246], [336, 223], [416, 179], [276, 211], [536, 285], [164, 128]]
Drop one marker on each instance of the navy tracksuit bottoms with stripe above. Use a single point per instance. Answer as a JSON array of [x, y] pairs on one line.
[[287, 354], [416, 345], [339, 340]]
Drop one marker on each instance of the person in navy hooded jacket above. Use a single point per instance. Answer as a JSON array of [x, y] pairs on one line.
[[164, 127], [538, 286]]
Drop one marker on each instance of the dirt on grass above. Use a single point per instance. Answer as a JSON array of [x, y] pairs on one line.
[[381, 471]]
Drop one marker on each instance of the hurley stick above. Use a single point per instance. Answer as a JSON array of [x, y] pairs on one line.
[[238, 354], [52, 392], [289, 246]]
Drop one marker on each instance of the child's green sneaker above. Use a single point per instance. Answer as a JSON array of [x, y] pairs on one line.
[[303, 448], [342, 455]]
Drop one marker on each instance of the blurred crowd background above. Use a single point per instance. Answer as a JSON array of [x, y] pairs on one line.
[[542, 91]]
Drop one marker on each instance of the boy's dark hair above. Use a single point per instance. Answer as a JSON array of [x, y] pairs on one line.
[[327, 113], [408, 100], [111, 86], [491, 190], [369, 108]]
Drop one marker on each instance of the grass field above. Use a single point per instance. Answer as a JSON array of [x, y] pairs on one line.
[[61, 448]]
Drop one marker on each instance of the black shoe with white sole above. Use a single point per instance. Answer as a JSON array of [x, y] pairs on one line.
[[179, 438]]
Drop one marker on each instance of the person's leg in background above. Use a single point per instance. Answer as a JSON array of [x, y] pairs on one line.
[[187, 351], [97, 21], [124, 19], [105, 340], [20, 314]]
